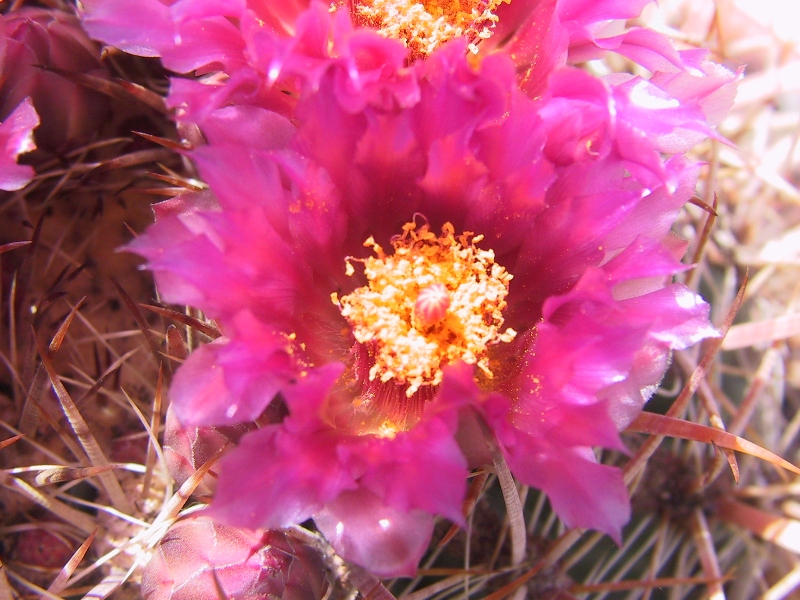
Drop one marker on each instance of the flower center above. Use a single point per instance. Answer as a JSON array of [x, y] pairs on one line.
[[424, 25], [435, 300]]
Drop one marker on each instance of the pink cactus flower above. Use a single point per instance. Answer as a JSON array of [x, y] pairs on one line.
[[238, 48], [545, 219], [16, 137], [36, 40]]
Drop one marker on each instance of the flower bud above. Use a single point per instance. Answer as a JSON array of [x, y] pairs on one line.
[[199, 559], [188, 448], [40, 39]]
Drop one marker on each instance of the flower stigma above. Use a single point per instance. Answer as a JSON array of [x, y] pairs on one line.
[[422, 26], [433, 301]]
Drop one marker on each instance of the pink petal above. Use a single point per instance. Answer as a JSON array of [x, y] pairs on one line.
[[582, 492], [385, 541], [232, 381], [296, 476], [421, 469], [16, 137]]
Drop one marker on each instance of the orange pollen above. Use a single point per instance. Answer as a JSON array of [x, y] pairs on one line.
[[434, 301], [422, 26]]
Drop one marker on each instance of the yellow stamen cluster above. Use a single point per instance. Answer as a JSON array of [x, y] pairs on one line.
[[411, 350], [424, 25]]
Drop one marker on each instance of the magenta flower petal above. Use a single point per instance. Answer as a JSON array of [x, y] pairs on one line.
[[232, 381], [16, 137], [295, 478], [422, 469], [109, 21], [267, 131], [386, 541], [188, 35], [573, 481]]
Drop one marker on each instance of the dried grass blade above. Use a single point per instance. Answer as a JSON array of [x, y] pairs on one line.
[[106, 374], [6, 593], [176, 347], [663, 425], [155, 422], [516, 519], [62, 474], [13, 246], [473, 494], [704, 235], [7, 442], [745, 335], [370, 586], [58, 338], [132, 159], [75, 517], [60, 582], [621, 586], [85, 437], [166, 143], [772, 528], [184, 319], [138, 316]]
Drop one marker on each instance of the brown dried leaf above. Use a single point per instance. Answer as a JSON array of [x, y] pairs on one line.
[[12, 246], [75, 517], [58, 338], [138, 316], [474, 492], [132, 159], [646, 584], [663, 425], [166, 143], [119, 89], [196, 324], [85, 437], [61, 474], [60, 582], [774, 528], [11, 440], [6, 593], [745, 335], [155, 422]]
